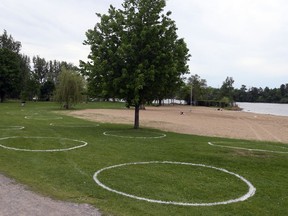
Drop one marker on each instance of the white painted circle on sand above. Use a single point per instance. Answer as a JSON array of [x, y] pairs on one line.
[[12, 127], [82, 144], [248, 149], [250, 193], [157, 135]]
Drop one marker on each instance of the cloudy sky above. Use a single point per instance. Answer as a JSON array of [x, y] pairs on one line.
[[243, 39]]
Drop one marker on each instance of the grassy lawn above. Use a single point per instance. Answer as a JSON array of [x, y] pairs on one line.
[[68, 175]]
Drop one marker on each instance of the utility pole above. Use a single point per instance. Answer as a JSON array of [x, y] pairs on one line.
[[191, 102]]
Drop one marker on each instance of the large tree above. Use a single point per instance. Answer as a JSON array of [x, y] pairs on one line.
[[40, 69], [10, 76], [8, 42], [227, 89], [197, 86], [69, 88], [27, 89], [136, 54]]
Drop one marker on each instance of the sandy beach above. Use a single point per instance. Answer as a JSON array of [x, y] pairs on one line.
[[198, 120]]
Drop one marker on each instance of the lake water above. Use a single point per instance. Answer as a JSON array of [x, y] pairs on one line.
[[265, 108]]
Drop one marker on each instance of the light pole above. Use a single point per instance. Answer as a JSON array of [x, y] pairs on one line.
[[191, 103]]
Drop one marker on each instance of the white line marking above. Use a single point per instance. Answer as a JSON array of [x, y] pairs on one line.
[[248, 149], [43, 117], [249, 194], [73, 125], [12, 127], [107, 133], [44, 150]]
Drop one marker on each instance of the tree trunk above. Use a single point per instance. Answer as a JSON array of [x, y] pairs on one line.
[[2, 96], [136, 119]]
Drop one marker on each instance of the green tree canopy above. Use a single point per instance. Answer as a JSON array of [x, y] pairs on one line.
[[69, 88], [227, 89], [10, 77], [136, 54], [198, 86], [8, 42]]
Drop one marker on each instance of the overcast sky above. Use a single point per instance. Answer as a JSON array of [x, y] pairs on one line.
[[243, 39]]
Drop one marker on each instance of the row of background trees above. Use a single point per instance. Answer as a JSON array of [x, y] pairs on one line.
[[21, 78], [227, 94], [24, 79]]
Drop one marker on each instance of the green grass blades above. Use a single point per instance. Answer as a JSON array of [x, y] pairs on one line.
[[68, 174], [280, 148], [146, 181]]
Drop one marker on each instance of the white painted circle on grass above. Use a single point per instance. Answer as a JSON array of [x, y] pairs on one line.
[[43, 117], [157, 135], [12, 127], [248, 149], [249, 194], [82, 144], [72, 125]]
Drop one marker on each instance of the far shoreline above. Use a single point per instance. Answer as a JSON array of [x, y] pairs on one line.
[[276, 109]]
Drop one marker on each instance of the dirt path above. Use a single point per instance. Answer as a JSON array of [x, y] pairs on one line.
[[15, 200]]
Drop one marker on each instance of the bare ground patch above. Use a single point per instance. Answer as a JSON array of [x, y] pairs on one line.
[[198, 120], [15, 199]]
